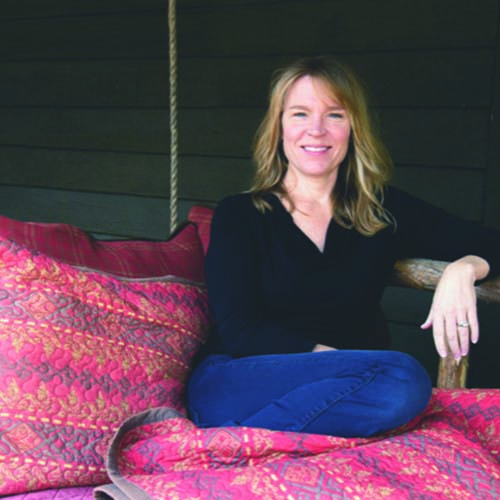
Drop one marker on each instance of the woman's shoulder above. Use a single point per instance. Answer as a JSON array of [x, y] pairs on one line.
[[244, 204], [235, 205]]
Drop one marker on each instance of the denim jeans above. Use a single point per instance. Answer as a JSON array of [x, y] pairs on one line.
[[340, 393]]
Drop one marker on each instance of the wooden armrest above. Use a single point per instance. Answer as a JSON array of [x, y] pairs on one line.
[[424, 274]]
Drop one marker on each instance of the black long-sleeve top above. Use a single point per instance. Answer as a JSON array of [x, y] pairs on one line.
[[273, 291]]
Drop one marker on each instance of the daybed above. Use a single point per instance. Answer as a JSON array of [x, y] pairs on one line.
[[94, 354]]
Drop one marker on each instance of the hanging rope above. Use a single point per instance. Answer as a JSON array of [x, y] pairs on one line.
[[172, 28]]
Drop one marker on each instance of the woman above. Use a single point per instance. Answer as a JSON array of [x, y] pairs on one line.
[[296, 269]]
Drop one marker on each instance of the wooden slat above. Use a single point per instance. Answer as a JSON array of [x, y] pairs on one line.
[[492, 205], [337, 26], [122, 35], [100, 213], [203, 179], [136, 174], [445, 188], [418, 78], [409, 78], [106, 129], [15, 9], [75, 83], [431, 136]]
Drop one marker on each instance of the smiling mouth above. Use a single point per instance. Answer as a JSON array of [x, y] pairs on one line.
[[316, 149]]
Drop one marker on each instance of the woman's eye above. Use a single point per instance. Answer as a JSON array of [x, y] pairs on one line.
[[336, 115], [299, 114]]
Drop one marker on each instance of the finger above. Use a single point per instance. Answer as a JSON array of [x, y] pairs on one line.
[[439, 338], [428, 322], [463, 329], [452, 335], [474, 329]]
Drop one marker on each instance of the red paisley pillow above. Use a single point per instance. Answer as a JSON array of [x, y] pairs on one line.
[[80, 352], [181, 255]]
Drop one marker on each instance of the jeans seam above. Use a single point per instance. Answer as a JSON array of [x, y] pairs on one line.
[[316, 412]]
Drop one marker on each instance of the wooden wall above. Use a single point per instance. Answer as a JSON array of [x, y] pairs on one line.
[[84, 109]]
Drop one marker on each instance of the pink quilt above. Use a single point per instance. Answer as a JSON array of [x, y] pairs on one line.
[[450, 452]]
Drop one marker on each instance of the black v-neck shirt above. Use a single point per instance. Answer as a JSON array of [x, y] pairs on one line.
[[273, 291]]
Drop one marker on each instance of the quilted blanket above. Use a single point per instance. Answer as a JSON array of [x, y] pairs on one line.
[[449, 452]]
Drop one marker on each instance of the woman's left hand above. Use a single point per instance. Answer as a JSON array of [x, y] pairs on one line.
[[453, 314]]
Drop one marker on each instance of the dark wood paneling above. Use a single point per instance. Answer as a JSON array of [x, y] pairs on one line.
[[141, 175], [200, 178], [492, 191], [116, 215], [408, 78], [449, 137], [209, 179], [323, 25], [121, 35], [76, 83], [107, 129], [458, 191], [21, 9]]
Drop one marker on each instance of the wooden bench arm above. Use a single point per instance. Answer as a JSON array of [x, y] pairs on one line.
[[424, 274]]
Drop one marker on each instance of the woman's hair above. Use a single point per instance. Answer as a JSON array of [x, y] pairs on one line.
[[358, 193]]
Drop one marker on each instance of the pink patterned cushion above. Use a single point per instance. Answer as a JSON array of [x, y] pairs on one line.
[[81, 351], [202, 217], [181, 255]]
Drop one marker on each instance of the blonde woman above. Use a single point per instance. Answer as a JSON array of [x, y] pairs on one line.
[[297, 266]]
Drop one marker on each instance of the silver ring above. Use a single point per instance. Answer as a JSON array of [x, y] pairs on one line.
[[463, 324]]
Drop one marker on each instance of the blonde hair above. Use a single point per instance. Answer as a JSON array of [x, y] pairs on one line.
[[358, 193]]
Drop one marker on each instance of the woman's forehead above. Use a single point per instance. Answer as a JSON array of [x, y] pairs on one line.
[[308, 88]]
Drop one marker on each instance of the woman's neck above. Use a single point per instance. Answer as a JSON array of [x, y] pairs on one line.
[[310, 195]]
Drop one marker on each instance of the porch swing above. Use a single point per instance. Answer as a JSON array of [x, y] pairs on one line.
[[449, 452]]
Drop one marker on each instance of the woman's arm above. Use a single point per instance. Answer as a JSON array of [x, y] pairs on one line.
[[234, 280], [453, 314]]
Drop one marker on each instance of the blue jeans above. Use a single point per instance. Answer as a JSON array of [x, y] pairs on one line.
[[340, 393]]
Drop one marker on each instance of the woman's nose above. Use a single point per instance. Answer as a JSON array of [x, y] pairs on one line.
[[316, 126]]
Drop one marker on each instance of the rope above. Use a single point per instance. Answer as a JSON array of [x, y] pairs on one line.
[[173, 114]]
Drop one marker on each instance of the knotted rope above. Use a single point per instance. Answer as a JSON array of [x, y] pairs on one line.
[[172, 32]]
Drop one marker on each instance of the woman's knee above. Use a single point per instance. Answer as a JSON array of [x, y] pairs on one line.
[[406, 386]]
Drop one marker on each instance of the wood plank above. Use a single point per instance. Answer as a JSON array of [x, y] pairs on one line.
[[409, 78], [77, 83], [112, 129], [209, 179], [421, 78], [117, 215], [492, 188], [206, 179], [108, 172], [12, 9], [338, 26], [121, 35], [429, 136], [444, 188]]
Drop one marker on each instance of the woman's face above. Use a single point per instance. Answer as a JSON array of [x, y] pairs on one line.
[[315, 130]]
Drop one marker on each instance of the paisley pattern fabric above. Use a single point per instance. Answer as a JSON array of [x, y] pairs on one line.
[[80, 352], [451, 452]]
